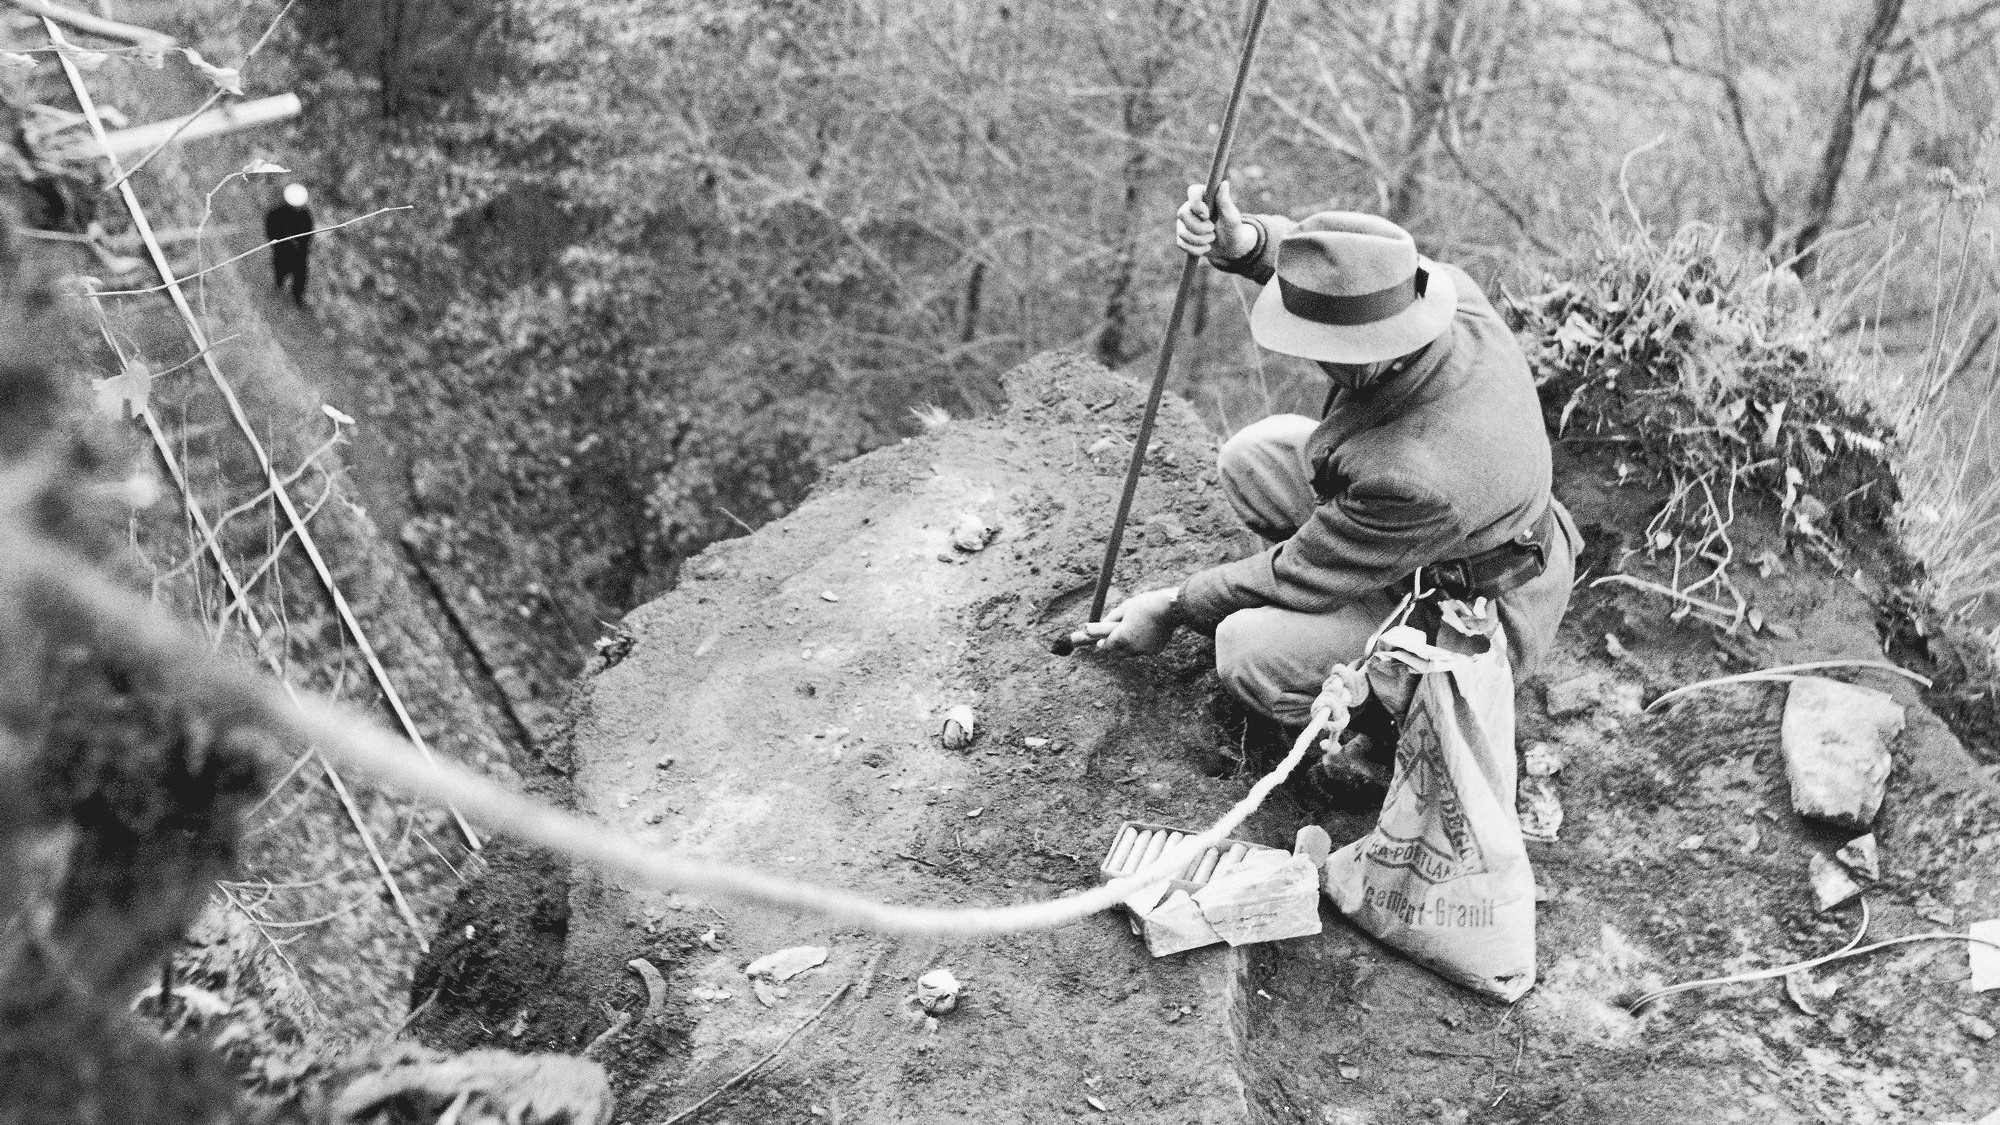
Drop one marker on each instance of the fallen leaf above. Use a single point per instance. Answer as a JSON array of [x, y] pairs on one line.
[[262, 167], [14, 60], [339, 418]]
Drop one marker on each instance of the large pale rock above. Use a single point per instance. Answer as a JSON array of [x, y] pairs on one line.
[[1836, 738]]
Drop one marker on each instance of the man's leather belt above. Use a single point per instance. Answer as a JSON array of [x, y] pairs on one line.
[[1497, 570]]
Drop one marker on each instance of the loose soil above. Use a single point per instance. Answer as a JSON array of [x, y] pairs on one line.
[[782, 709]]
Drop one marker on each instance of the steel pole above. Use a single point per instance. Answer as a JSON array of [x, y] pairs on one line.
[[1218, 168]]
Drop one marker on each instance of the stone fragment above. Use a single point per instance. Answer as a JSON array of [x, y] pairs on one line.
[[1861, 857], [1831, 883], [971, 534], [1977, 1028], [1541, 760], [1836, 741], [787, 963], [1574, 696]]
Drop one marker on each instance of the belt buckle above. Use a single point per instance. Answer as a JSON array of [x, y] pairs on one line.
[[1451, 577]]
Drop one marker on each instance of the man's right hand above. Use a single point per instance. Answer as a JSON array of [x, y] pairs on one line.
[[1195, 233]]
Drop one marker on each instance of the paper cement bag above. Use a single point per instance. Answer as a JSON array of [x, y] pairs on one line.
[[1444, 876]]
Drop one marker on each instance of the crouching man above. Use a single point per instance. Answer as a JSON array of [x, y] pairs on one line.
[[1429, 460]]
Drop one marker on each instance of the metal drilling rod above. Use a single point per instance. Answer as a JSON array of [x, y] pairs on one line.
[[1217, 170]]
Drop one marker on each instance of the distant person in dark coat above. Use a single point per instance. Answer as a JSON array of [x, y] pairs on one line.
[[1429, 457], [288, 259]]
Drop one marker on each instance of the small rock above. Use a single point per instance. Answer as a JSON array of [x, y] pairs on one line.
[[971, 534], [1977, 1028], [1574, 696], [665, 763], [1861, 857], [1614, 648], [1034, 743], [1836, 741], [1830, 882], [1541, 760], [766, 994], [828, 596], [710, 940], [1350, 1073], [1692, 843]]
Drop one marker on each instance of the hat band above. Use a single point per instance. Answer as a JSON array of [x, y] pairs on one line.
[[1356, 309]]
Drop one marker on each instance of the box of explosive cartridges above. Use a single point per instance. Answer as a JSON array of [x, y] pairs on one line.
[[1234, 891]]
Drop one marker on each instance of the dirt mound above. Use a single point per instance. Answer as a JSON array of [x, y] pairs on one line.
[[782, 709]]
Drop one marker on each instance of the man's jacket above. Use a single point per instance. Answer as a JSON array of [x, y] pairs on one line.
[[1442, 460]]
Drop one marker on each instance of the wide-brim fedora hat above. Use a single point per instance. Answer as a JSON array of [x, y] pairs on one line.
[[1351, 288]]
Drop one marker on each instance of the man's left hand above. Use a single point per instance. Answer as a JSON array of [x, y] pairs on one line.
[[1139, 626]]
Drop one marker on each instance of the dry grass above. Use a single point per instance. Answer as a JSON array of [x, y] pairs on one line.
[[1713, 375], [1938, 376]]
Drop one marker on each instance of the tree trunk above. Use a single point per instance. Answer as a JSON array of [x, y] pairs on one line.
[[1855, 95], [1140, 120], [1428, 105]]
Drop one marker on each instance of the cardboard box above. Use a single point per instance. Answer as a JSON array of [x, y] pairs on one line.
[[1235, 891]]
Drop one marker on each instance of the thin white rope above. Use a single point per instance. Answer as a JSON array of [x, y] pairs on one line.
[[56, 578], [1783, 673], [1844, 953]]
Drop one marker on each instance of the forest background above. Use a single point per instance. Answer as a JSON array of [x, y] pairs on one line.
[[667, 262]]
